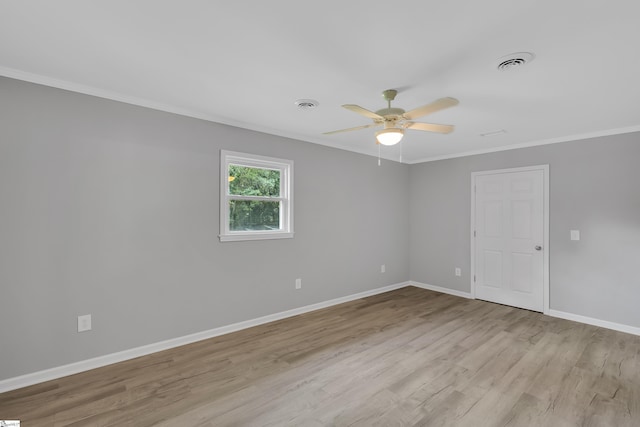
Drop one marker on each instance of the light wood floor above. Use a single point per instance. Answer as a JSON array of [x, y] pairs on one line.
[[403, 358]]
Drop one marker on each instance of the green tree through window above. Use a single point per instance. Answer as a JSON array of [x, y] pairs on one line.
[[254, 214], [256, 197]]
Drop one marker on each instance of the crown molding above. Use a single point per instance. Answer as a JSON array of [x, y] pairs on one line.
[[116, 96], [569, 138]]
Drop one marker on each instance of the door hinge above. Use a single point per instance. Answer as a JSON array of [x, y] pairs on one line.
[[474, 278]]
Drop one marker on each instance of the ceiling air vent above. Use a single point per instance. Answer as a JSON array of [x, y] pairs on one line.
[[514, 60], [306, 104]]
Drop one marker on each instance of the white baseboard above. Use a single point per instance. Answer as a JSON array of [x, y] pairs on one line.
[[595, 322], [554, 313], [100, 361], [441, 289]]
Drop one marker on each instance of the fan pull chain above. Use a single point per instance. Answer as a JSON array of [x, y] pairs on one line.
[[378, 154]]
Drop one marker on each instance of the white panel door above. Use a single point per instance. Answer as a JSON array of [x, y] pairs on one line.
[[509, 235]]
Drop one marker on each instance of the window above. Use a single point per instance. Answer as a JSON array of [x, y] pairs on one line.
[[256, 197]]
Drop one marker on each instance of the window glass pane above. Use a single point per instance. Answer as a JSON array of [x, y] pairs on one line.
[[247, 215], [247, 181]]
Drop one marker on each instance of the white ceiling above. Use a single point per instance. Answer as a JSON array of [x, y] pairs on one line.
[[245, 63]]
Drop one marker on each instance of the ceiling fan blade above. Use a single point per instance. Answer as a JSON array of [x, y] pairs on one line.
[[350, 129], [437, 105], [429, 127], [363, 111]]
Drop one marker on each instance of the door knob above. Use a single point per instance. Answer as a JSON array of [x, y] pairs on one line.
[[538, 248]]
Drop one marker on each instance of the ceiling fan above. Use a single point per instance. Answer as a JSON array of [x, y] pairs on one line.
[[396, 120]]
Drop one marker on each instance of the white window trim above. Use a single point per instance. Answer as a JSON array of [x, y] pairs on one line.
[[286, 196]]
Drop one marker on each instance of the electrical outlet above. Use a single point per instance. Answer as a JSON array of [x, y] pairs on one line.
[[84, 323], [383, 268], [458, 272], [298, 283]]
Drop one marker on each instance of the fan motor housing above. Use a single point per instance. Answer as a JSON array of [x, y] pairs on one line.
[[390, 112]]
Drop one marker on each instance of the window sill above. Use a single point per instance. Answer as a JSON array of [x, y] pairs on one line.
[[254, 236]]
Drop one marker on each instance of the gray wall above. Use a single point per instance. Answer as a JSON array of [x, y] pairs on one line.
[[111, 209], [593, 188]]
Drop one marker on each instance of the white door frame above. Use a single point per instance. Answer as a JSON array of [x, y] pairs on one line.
[[545, 202]]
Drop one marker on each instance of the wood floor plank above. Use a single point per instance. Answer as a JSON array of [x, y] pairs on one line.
[[409, 357]]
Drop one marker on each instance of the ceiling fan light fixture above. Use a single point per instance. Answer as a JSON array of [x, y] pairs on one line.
[[396, 120], [389, 136]]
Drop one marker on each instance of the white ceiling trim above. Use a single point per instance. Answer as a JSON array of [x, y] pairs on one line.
[[569, 138], [115, 96], [93, 91]]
